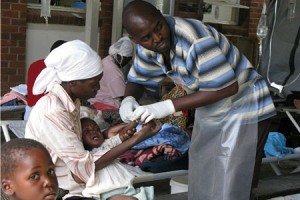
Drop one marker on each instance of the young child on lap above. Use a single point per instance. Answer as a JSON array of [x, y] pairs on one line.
[[113, 181], [27, 171]]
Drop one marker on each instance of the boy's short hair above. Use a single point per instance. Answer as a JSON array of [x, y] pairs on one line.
[[13, 151]]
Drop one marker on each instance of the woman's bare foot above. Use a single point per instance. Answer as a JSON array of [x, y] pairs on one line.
[[297, 103]]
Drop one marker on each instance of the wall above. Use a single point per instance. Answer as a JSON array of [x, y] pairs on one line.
[[106, 15], [40, 38], [15, 16], [13, 43]]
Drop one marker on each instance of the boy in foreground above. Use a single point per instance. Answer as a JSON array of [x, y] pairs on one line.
[[27, 171]]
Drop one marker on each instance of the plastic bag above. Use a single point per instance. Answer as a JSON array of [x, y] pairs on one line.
[[45, 9]]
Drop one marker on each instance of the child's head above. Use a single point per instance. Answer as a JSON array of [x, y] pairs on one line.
[[27, 170], [92, 137]]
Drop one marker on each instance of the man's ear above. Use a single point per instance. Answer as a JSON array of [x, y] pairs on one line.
[[7, 187]]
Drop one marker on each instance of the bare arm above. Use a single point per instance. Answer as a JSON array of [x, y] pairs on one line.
[[203, 98], [135, 90], [148, 131], [194, 100]]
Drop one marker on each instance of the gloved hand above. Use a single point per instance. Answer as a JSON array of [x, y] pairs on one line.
[[128, 105], [154, 111]]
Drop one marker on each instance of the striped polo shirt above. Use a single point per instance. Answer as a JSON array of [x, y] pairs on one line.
[[202, 59]]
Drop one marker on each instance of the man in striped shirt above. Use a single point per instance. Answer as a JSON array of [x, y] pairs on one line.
[[232, 101]]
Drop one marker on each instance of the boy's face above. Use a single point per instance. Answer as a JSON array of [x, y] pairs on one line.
[[91, 133], [34, 178]]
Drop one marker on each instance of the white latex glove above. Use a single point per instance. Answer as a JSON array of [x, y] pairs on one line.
[[128, 105], [154, 111]]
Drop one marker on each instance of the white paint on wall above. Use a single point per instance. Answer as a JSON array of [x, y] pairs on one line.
[[40, 38]]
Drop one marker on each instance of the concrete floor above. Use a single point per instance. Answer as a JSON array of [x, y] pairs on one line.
[[270, 185]]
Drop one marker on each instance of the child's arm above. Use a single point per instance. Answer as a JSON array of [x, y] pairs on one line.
[[147, 131], [125, 131]]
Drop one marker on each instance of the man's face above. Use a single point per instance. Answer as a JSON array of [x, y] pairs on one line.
[[151, 32], [91, 133], [86, 89], [35, 177]]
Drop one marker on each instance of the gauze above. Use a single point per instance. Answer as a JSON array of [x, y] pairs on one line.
[[123, 47], [73, 60]]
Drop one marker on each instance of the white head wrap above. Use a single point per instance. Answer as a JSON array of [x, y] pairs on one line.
[[123, 47], [73, 60]]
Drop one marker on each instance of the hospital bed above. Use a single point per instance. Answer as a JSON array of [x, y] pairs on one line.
[[17, 128]]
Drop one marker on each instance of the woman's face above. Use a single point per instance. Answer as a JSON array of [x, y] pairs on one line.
[[85, 89], [91, 133], [35, 177]]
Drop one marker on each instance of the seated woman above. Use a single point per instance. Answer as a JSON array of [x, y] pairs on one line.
[[72, 74], [112, 89]]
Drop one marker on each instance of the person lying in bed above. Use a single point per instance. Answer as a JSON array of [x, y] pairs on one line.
[[165, 151], [114, 179]]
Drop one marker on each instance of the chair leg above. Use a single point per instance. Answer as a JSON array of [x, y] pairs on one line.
[[5, 131]]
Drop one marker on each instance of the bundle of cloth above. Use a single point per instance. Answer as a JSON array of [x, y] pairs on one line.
[[16, 96], [165, 151]]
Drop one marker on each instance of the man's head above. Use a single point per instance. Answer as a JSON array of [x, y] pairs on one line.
[[92, 137], [147, 26], [27, 171], [75, 66]]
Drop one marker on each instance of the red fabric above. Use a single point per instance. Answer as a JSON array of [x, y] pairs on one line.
[[34, 70], [102, 106], [137, 157]]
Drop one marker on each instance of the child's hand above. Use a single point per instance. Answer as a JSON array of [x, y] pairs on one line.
[[114, 130], [149, 129], [128, 131]]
